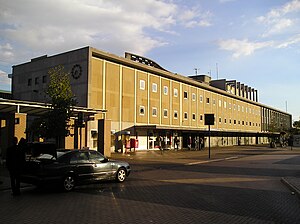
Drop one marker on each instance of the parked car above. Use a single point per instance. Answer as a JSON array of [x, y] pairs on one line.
[[69, 168]]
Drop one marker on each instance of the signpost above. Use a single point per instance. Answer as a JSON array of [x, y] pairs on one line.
[[209, 119]]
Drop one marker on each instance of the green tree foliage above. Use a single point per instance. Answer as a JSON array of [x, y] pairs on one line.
[[296, 124], [55, 124], [62, 100]]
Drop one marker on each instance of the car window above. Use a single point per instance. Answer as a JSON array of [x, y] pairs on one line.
[[79, 157], [96, 157]]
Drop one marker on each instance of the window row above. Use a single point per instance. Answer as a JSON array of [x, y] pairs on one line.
[[185, 116], [37, 80], [207, 100]]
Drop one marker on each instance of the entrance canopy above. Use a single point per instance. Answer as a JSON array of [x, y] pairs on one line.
[[38, 109]]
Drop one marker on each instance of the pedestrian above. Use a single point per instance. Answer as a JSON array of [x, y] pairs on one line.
[[176, 142], [14, 162], [200, 143], [159, 140], [196, 143], [190, 143]]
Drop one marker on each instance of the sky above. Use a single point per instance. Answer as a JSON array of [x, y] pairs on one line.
[[255, 42]]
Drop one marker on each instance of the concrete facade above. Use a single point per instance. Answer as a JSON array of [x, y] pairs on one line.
[[145, 102]]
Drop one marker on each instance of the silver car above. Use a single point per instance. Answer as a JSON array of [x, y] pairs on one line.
[[73, 167]]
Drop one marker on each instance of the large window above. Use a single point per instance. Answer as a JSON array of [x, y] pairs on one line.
[[175, 114], [193, 96], [154, 87], [185, 94], [165, 113], [154, 111], [175, 92], [185, 116], [142, 84], [142, 110], [166, 90]]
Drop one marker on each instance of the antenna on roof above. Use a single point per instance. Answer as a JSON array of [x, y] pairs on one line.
[[217, 70], [196, 70]]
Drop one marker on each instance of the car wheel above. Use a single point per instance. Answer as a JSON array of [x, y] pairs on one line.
[[121, 175], [68, 183]]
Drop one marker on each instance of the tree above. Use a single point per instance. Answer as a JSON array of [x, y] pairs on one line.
[[55, 123], [62, 100]]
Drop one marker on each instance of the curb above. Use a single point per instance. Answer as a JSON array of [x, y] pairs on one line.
[[291, 186]]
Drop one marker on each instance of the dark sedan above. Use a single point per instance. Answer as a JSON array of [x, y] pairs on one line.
[[73, 167]]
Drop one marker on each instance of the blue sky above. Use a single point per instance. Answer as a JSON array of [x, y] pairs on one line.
[[256, 42]]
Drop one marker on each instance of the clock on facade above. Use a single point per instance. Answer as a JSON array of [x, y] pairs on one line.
[[76, 71]]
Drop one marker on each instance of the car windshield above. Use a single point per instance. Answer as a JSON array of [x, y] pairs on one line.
[[61, 153], [45, 156]]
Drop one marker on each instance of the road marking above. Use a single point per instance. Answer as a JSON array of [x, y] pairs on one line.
[[210, 161]]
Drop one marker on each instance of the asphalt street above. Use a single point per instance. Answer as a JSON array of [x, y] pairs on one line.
[[237, 185]]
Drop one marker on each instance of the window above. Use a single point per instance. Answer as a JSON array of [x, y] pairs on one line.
[[207, 100], [142, 84], [185, 116], [96, 157], [201, 117], [154, 111], [225, 121], [175, 92], [185, 95], [201, 98], [214, 102], [44, 79], [230, 106], [193, 96], [194, 117], [17, 120], [234, 122], [220, 120], [36, 80], [29, 83], [142, 110], [220, 103], [165, 113], [225, 104], [154, 87], [80, 157], [175, 114], [166, 90]]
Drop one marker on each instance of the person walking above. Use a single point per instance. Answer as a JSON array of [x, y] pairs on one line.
[[190, 143], [14, 162], [176, 142], [196, 143], [200, 143]]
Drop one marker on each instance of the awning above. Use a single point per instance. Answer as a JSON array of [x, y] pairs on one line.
[[38, 109]]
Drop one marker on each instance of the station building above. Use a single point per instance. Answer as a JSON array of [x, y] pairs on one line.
[[145, 101]]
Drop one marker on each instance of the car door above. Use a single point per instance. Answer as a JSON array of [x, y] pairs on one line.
[[102, 167], [82, 166]]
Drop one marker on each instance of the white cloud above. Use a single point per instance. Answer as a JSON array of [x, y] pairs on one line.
[[195, 18], [291, 41], [280, 19], [242, 47], [4, 80], [45, 26]]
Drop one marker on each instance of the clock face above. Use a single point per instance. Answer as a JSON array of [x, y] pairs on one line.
[[76, 71]]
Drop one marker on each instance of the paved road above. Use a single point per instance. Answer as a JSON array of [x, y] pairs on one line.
[[181, 187]]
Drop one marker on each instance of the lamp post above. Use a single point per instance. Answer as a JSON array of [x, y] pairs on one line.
[[209, 119]]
